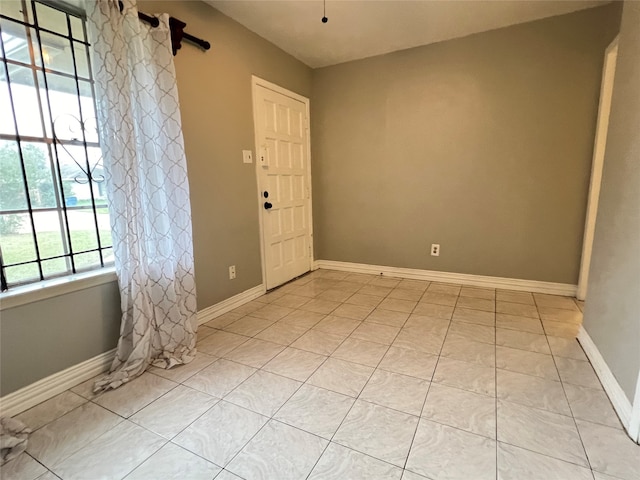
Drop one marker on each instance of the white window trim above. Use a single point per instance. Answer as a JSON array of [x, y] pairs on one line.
[[55, 287]]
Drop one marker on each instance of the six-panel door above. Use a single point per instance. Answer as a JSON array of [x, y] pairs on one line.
[[283, 174]]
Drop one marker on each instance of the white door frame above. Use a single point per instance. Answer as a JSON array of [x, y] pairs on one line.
[[634, 421], [259, 82], [600, 143]]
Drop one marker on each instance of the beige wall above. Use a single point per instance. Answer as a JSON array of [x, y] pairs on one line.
[[612, 313], [481, 144], [217, 121], [45, 337]]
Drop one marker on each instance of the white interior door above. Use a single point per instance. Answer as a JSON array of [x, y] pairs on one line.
[[284, 182], [602, 127]]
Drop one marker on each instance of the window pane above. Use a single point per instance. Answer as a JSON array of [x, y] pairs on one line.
[[105, 234], [104, 227], [90, 124], [88, 112], [39, 176], [99, 185], [64, 107], [77, 29], [56, 52], [16, 42], [25, 100], [44, 102], [22, 273], [56, 267], [74, 171], [86, 261], [13, 9], [83, 230], [107, 255], [97, 174], [52, 19], [12, 192], [80, 51], [16, 238], [6, 121], [51, 240]]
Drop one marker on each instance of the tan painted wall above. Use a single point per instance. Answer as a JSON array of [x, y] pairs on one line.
[[217, 121], [481, 144], [612, 313], [45, 337]]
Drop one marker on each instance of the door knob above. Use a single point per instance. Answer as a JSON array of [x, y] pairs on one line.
[[267, 205]]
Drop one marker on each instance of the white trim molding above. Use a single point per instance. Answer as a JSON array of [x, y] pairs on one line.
[[448, 277], [597, 164], [618, 398], [50, 386], [214, 311], [634, 422], [55, 287]]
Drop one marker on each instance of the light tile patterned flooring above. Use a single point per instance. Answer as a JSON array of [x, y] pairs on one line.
[[348, 376]]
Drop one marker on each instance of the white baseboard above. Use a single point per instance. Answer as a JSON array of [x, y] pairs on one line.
[[50, 386], [448, 277], [618, 398], [229, 304]]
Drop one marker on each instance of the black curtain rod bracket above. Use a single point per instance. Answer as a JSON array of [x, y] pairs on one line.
[[153, 21], [178, 34], [177, 31]]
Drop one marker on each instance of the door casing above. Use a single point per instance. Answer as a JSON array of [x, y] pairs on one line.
[[634, 421], [259, 82], [604, 110]]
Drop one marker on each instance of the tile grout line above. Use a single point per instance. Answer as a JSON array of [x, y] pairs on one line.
[[573, 418], [168, 440], [272, 416], [222, 398], [303, 383], [122, 419], [431, 382], [361, 390], [350, 408], [365, 385], [495, 372]]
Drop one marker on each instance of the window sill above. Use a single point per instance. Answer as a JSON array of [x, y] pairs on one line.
[[55, 287]]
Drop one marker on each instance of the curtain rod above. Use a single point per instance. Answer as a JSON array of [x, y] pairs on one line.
[[177, 31]]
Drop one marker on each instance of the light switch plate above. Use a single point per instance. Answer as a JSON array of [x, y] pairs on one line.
[[247, 156]]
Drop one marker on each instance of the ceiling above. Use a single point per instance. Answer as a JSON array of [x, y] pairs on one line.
[[363, 28]]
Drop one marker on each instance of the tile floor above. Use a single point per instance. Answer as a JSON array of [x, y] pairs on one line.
[[349, 376]]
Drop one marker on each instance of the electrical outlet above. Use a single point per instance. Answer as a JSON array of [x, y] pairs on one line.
[[232, 272], [435, 250]]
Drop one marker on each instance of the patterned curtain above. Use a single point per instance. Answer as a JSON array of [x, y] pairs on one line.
[[148, 190]]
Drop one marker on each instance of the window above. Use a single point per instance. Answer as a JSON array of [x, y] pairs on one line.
[[53, 205]]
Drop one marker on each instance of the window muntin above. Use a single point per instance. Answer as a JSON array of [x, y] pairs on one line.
[[53, 206]]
